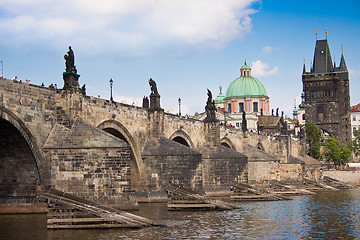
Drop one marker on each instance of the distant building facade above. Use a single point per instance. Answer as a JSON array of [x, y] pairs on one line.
[[327, 98], [355, 119]]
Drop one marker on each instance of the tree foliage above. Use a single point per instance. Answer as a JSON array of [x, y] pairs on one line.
[[355, 144], [313, 135], [336, 152]]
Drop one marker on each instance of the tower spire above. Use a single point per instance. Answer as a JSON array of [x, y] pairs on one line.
[[304, 68]]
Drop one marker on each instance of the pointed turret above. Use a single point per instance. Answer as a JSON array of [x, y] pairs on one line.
[[304, 69], [322, 57], [343, 64]]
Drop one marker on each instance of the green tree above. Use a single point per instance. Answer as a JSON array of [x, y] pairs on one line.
[[355, 144], [336, 152], [313, 135]]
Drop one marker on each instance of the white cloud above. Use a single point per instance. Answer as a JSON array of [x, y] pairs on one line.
[[267, 50], [128, 100], [354, 72], [129, 26], [260, 69]]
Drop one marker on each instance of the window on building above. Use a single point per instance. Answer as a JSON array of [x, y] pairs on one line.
[[354, 118], [304, 117], [229, 107], [255, 107], [241, 107], [320, 112], [237, 124]]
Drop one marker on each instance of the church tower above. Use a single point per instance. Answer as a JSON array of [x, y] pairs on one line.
[[327, 97]]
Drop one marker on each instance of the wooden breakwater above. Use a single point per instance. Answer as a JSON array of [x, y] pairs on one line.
[[246, 192], [187, 199], [67, 211]]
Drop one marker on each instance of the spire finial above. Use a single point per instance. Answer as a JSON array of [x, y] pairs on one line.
[[245, 61], [326, 32], [220, 89], [316, 33], [342, 49], [304, 70]]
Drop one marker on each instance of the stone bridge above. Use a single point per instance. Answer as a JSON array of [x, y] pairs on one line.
[[101, 149]]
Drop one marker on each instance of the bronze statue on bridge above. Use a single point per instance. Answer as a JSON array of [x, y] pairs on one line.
[[210, 109]]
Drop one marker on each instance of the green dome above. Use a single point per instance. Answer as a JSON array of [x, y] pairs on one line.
[[220, 98], [245, 66], [246, 86]]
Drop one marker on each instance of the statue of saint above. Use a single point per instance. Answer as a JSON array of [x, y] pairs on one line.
[[70, 61], [210, 107], [153, 87], [145, 102]]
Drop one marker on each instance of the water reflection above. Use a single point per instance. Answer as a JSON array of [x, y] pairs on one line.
[[330, 215]]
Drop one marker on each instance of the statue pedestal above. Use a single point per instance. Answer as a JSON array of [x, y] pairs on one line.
[[155, 102], [71, 80]]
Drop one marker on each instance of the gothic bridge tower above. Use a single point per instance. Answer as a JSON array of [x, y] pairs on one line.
[[327, 98]]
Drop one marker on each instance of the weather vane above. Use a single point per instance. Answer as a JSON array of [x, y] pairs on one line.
[[316, 33]]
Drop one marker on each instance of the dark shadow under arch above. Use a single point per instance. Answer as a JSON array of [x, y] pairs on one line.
[[225, 145], [181, 141], [226, 142], [182, 137], [20, 157], [260, 146]]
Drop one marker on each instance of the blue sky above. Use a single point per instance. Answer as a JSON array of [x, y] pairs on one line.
[[186, 46]]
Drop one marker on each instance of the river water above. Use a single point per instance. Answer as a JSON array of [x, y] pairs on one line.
[[328, 215]]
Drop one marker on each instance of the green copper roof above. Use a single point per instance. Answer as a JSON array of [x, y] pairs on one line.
[[220, 98], [246, 86], [245, 66]]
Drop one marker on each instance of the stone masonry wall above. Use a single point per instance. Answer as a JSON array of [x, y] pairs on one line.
[[100, 175]]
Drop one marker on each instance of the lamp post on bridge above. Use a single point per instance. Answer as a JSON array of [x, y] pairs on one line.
[[179, 100], [2, 69], [111, 84]]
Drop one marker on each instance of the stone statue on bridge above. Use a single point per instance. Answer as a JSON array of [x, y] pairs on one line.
[[70, 61], [145, 102], [210, 109], [70, 75], [153, 87], [154, 97]]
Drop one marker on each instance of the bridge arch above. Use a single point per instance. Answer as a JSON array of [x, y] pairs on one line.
[[19, 145], [226, 142], [182, 137], [119, 130]]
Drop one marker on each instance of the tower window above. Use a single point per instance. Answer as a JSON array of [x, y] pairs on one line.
[[255, 107], [241, 107], [320, 112]]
